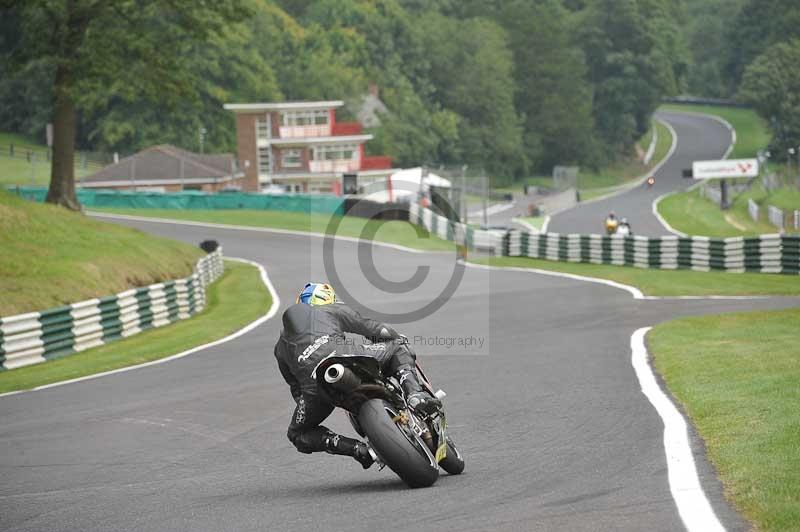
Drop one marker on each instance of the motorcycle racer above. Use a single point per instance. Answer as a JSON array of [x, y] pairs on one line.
[[611, 223], [314, 328]]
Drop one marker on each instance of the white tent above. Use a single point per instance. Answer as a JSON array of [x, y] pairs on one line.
[[408, 182]]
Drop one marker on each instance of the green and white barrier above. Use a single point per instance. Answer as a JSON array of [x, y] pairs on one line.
[[765, 253], [36, 337], [457, 232]]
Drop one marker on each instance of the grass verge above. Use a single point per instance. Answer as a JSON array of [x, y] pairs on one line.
[[22, 169], [737, 376], [235, 300], [752, 133], [692, 214], [535, 221], [52, 256], [393, 232], [665, 282]]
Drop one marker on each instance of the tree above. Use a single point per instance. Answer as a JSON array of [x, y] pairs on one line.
[[706, 32], [472, 74], [629, 51], [758, 25], [99, 51], [552, 93], [771, 84]]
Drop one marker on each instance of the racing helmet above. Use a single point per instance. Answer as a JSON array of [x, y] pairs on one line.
[[316, 294]]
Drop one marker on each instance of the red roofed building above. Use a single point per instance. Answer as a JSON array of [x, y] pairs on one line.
[[301, 146]]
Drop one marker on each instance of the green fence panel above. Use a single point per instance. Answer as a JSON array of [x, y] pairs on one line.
[[308, 203]]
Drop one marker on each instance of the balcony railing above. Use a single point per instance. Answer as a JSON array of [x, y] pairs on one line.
[[376, 162], [290, 132], [334, 165], [346, 128]]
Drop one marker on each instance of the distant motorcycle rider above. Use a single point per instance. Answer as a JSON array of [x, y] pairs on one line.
[[313, 328], [611, 223], [624, 227]]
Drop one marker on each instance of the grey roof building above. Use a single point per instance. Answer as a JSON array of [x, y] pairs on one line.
[[167, 167]]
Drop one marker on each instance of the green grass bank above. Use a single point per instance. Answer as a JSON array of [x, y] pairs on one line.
[[233, 301], [594, 184], [21, 169], [52, 256], [737, 377], [692, 214]]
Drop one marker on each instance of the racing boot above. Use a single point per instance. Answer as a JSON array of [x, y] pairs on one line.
[[364, 455], [417, 398], [342, 445]]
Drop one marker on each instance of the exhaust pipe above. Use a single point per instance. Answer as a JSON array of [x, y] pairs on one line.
[[341, 378], [334, 373]]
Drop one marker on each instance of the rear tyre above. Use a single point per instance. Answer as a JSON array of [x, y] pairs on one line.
[[453, 463], [397, 445]]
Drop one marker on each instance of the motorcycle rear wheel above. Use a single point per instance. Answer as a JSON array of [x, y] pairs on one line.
[[397, 445]]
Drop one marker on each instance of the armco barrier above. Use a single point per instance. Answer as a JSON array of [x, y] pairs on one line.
[[752, 208], [766, 253], [40, 336], [305, 203], [775, 216], [457, 232]]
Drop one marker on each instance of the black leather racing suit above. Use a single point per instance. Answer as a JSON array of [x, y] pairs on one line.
[[311, 333]]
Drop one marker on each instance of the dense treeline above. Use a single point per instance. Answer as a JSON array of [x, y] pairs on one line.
[[749, 50], [512, 87]]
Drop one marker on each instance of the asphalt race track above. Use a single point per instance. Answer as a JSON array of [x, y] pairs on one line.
[[555, 430], [699, 138], [548, 412]]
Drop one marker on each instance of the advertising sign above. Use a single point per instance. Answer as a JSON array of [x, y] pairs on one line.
[[725, 168]]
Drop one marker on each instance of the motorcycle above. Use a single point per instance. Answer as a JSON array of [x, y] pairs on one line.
[[412, 444]]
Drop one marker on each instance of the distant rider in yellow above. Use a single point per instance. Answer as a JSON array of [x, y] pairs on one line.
[[611, 223]]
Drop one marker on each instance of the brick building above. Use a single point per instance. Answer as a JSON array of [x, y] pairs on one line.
[[301, 146]]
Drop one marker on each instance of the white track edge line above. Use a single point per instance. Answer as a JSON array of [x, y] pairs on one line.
[[276, 302], [693, 505], [635, 292], [546, 223], [530, 227], [664, 223], [492, 210], [255, 229]]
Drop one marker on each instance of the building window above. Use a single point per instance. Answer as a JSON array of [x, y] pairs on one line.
[[333, 153], [263, 128], [263, 160], [320, 187], [290, 158], [305, 118]]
